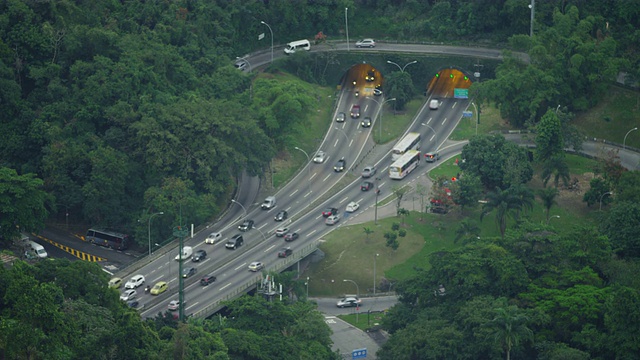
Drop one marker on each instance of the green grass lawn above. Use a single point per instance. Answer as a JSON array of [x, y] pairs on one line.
[[490, 120], [362, 320], [395, 123], [613, 117]]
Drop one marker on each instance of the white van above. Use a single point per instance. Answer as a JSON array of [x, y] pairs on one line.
[[268, 203], [187, 251], [38, 249], [293, 46]]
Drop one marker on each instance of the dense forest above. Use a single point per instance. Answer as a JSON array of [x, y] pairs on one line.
[[113, 110]]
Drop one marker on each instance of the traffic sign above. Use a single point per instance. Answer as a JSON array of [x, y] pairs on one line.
[[461, 93], [359, 353], [467, 114]]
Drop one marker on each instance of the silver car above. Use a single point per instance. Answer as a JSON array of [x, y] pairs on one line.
[[332, 220], [370, 43], [320, 157], [369, 171]]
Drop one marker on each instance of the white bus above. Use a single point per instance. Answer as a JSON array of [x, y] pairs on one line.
[[403, 166], [410, 142]]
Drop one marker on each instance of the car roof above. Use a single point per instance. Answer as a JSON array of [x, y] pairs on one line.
[[161, 283]]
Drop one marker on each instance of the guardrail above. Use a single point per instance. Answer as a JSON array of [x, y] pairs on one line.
[[216, 305]]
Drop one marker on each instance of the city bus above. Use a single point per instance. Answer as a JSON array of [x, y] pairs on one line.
[[410, 142], [403, 166], [108, 239]]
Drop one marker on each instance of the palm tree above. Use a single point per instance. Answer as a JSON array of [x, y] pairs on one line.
[[509, 326], [505, 203], [548, 197], [525, 195], [556, 166], [467, 230], [367, 231]]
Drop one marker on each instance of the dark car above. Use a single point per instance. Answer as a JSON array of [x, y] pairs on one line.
[[133, 304], [207, 280], [340, 165], [366, 186], [199, 255], [371, 76], [340, 117], [188, 272], [329, 211], [235, 242], [246, 225], [282, 215], [291, 236], [355, 111], [284, 252], [366, 122]]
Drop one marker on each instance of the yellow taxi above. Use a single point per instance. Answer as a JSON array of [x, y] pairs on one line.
[[115, 283], [159, 288]]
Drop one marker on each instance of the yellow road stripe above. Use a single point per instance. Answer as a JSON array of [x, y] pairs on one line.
[[77, 253]]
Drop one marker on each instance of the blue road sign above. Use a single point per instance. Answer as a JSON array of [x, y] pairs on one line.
[[467, 114], [359, 353]]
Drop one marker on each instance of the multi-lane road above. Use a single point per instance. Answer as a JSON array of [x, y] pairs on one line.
[[303, 198]]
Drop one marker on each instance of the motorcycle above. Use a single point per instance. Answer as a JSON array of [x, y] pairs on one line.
[[147, 289], [357, 93]]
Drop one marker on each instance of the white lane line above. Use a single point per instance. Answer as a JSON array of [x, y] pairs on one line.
[[454, 105], [312, 176], [336, 144], [311, 233], [325, 179], [432, 137], [192, 305], [444, 121], [428, 122], [343, 200], [307, 194], [351, 142], [240, 266], [224, 287], [293, 193], [269, 249]]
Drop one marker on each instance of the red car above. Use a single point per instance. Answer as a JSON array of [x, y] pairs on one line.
[[355, 111], [284, 252], [329, 211]]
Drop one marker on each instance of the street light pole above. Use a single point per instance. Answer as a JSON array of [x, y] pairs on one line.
[[478, 117], [624, 142], [374, 274], [308, 169], [377, 193], [601, 196], [532, 6], [307, 284], [403, 67], [149, 228], [244, 59], [242, 206], [435, 134], [271, 31], [381, 111], [356, 284], [346, 25], [554, 216]]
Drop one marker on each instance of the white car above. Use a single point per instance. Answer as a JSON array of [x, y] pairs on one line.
[[370, 43], [332, 220], [213, 237], [256, 266], [352, 207], [433, 104], [136, 280], [320, 157], [280, 232], [128, 295]]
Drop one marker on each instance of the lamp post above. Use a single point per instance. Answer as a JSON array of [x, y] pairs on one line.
[[357, 288], [532, 6], [402, 67], [601, 196], [271, 31], [477, 116], [377, 193], [435, 134], [242, 206], [343, 133], [261, 233], [308, 169], [149, 228], [346, 25], [374, 274], [307, 285], [558, 108], [624, 142], [554, 216], [381, 110]]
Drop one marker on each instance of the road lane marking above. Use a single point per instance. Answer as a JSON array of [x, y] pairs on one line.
[[444, 121], [311, 233], [343, 200], [312, 176], [336, 144], [429, 122], [350, 143], [240, 266], [326, 178], [432, 136], [224, 287], [293, 193], [307, 194], [269, 249], [192, 305], [454, 105]]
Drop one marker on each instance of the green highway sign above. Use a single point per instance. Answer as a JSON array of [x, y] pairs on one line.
[[461, 93]]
